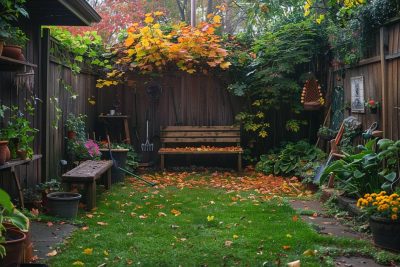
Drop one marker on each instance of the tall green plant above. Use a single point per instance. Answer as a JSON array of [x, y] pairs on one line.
[[272, 81]]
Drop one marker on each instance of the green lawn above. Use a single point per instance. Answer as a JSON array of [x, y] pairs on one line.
[[139, 228]]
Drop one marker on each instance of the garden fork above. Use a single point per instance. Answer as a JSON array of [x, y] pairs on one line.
[[147, 146]]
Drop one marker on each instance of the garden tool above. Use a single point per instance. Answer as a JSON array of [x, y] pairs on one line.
[[115, 163], [368, 133], [147, 146]]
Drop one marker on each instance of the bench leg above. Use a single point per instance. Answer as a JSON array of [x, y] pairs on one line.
[[162, 162], [239, 162], [91, 200], [108, 179]]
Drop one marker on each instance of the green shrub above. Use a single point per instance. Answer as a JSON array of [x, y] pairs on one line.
[[300, 159]]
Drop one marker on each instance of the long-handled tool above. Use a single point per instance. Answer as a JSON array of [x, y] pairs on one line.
[[147, 146], [115, 163]]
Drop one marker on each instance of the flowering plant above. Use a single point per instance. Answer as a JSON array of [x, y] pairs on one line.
[[380, 205], [372, 104], [83, 150]]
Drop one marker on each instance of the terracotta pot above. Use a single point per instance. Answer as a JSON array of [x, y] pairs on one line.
[[28, 244], [386, 233], [22, 154], [13, 51], [71, 135], [14, 246], [1, 46], [4, 152]]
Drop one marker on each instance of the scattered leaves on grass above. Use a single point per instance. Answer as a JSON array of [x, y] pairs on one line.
[[102, 223], [286, 247], [310, 252], [52, 253], [143, 216], [88, 251], [89, 215], [295, 218], [210, 218], [105, 252], [228, 243], [49, 224], [235, 236], [85, 228], [175, 212], [161, 214], [78, 263]]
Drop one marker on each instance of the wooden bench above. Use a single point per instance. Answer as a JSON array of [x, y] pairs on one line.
[[87, 173], [179, 136]]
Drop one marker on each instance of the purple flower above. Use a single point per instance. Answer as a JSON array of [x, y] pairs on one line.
[[92, 148]]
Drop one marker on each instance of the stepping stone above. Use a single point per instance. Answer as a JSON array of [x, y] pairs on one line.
[[46, 238]]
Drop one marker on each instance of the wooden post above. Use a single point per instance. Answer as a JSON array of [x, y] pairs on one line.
[[18, 184], [44, 74], [127, 135], [383, 47], [240, 162], [162, 163]]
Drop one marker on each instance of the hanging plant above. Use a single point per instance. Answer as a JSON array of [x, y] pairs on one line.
[[311, 97]]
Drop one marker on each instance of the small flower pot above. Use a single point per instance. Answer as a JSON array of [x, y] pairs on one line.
[[71, 135], [14, 245], [386, 233], [22, 154], [373, 110], [63, 204], [14, 52], [4, 152]]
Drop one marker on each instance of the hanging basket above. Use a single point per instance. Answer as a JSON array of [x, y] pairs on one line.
[[311, 97]]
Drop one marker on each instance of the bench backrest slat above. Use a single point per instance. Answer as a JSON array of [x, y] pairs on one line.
[[200, 134]]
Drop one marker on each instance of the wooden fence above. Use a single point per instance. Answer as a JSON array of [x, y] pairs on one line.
[[51, 79], [381, 72]]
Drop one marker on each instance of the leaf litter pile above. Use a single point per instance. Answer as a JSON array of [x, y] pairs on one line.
[[266, 185]]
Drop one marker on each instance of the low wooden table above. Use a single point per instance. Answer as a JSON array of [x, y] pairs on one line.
[[87, 173], [11, 166]]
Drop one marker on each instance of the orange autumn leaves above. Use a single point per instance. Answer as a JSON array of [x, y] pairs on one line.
[[148, 48], [201, 149]]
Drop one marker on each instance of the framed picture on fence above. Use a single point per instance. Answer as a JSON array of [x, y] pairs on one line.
[[357, 94]]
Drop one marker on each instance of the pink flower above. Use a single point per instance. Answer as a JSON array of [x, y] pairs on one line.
[[92, 148]]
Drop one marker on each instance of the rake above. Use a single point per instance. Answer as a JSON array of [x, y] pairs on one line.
[[115, 164], [147, 146]]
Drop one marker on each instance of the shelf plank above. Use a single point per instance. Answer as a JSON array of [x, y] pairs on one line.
[[11, 64]]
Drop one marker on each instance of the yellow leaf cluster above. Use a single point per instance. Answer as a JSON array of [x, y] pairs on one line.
[[148, 48]]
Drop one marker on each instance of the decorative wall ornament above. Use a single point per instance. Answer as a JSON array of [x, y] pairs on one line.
[[357, 94], [311, 97]]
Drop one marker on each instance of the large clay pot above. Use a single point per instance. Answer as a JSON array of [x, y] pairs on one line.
[[386, 233], [4, 152], [13, 51], [28, 244], [14, 248]]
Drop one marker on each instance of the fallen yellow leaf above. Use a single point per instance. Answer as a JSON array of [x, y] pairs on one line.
[[88, 251], [210, 218], [235, 236], [52, 253], [78, 263], [175, 212]]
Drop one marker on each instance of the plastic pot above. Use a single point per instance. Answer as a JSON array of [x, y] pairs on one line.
[[386, 233], [63, 204], [120, 156], [14, 245]]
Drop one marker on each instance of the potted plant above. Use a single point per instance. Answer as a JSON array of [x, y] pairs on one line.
[[14, 43], [22, 134], [32, 199], [10, 11], [383, 210], [13, 224], [47, 187], [372, 105], [5, 154], [81, 150], [326, 133], [76, 126]]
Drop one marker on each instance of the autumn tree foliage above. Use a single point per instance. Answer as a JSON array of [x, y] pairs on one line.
[[116, 15], [153, 48]]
